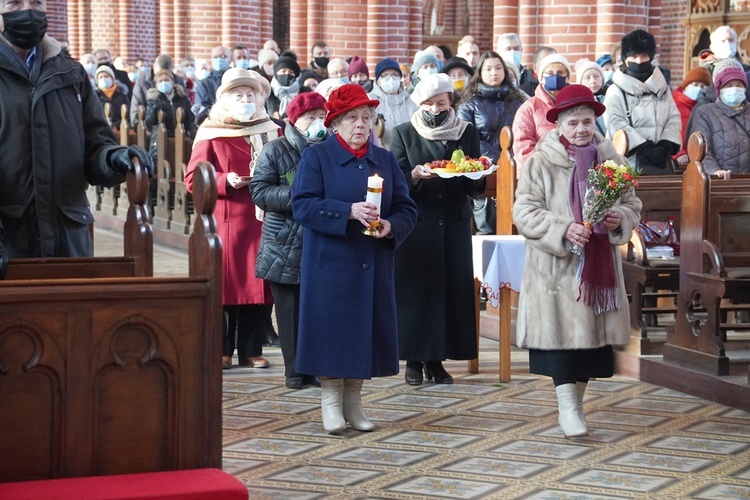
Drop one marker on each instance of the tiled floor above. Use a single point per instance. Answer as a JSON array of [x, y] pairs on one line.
[[477, 438]]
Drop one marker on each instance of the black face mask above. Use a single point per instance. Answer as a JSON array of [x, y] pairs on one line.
[[285, 80], [321, 62], [635, 67], [25, 28], [434, 121]]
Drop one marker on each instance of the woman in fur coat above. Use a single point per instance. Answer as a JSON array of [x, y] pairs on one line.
[[569, 324]]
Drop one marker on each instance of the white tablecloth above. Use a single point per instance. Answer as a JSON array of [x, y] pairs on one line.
[[503, 258]]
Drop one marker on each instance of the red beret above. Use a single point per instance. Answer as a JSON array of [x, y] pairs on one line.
[[346, 98], [302, 103]]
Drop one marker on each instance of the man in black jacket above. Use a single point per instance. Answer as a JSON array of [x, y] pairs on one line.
[[54, 141]]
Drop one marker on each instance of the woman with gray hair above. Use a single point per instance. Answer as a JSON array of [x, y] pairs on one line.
[[347, 313], [569, 324]]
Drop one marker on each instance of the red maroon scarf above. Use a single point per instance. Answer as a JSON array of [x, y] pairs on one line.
[[598, 286], [358, 153]]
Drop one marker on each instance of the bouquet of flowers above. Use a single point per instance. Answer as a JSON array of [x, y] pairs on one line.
[[605, 184]]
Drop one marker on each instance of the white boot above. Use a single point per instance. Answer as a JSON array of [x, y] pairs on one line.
[[353, 405], [331, 397], [570, 420], [581, 387]]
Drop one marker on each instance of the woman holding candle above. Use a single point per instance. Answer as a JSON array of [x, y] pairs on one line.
[[347, 323], [434, 275]]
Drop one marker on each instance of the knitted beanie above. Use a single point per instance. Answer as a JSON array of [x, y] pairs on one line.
[[386, 64], [727, 70], [583, 65], [287, 60], [697, 75], [357, 65], [421, 58], [302, 103], [266, 56], [554, 58]]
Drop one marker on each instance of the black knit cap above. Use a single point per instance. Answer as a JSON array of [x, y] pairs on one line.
[[287, 60], [638, 42]]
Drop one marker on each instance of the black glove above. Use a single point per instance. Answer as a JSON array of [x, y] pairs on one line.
[[644, 146], [120, 160], [670, 147], [656, 156]]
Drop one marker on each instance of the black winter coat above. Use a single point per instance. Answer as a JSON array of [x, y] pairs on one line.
[[281, 243], [434, 272], [118, 99], [156, 101], [54, 141], [491, 109]]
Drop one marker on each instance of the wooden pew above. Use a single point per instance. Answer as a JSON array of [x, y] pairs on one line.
[[714, 270], [114, 375], [165, 165], [183, 200]]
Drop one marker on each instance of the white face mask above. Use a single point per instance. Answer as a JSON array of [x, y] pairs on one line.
[[608, 75], [243, 111], [390, 84], [513, 56], [692, 91], [732, 96], [726, 50], [105, 83], [90, 68], [316, 132]]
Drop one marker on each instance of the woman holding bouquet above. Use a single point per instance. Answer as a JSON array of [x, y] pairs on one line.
[[569, 324]]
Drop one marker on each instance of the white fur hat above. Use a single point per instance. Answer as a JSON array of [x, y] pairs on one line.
[[430, 86]]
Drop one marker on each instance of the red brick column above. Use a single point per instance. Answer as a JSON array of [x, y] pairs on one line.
[[528, 28], [314, 21], [181, 32], [482, 13], [298, 28], [505, 17], [415, 31], [166, 27], [378, 30]]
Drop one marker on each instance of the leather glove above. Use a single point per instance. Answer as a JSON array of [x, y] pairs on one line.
[[641, 148], [670, 147], [120, 160]]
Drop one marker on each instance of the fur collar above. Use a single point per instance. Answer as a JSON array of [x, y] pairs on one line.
[[555, 153], [153, 92]]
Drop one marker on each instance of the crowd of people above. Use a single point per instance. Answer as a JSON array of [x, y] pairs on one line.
[[362, 282]]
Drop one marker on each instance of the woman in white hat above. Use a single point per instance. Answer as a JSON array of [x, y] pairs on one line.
[[231, 139]]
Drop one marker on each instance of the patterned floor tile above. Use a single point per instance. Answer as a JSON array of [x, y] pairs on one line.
[[467, 422], [275, 406], [516, 409], [240, 465], [389, 414], [460, 389], [641, 483], [380, 456], [629, 419], [431, 439], [722, 491], [539, 449], [647, 404], [274, 494], [743, 474], [419, 400], [327, 476], [311, 429], [669, 393], [560, 494], [596, 435], [657, 461], [271, 446], [721, 429], [612, 386], [496, 467], [239, 423], [246, 388], [734, 413], [700, 445], [440, 487]]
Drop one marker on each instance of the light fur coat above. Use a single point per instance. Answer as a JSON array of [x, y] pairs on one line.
[[548, 315]]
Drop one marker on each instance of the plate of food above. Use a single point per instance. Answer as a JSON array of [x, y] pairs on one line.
[[462, 166]]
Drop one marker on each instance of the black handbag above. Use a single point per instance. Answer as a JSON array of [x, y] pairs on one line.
[[485, 214]]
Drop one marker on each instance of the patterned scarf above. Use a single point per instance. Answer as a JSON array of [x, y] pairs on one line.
[[285, 94], [596, 269], [450, 130]]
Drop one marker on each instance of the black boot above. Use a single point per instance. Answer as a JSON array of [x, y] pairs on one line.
[[272, 339], [435, 370], [413, 373]]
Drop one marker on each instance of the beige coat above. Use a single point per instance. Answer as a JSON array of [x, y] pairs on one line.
[[548, 315]]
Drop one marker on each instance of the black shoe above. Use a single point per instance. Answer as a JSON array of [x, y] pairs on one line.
[[295, 382], [413, 373], [272, 341], [434, 370], [312, 380]]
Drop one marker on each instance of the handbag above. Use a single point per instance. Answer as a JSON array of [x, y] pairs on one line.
[[485, 214], [659, 233]]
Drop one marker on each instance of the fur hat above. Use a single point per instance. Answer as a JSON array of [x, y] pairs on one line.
[[236, 77], [572, 96], [287, 60], [104, 69], [346, 98], [430, 86], [699, 75], [421, 58], [638, 42], [266, 56], [302, 103], [387, 64], [583, 65], [551, 59], [727, 70], [357, 65], [457, 62]]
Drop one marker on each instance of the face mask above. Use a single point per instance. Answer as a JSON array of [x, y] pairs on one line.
[[639, 67], [344, 79], [390, 84], [201, 73], [243, 111], [143, 69], [242, 63], [316, 132], [133, 76], [434, 121], [268, 69], [322, 62], [433, 71], [726, 50], [732, 96], [692, 91], [440, 65], [90, 68], [608, 75], [189, 71], [554, 82], [285, 80], [513, 56], [25, 28], [219, 63], [460, 84], [105, 83], [164, 87]]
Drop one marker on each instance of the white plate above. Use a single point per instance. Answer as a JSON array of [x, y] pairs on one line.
[[471, 175]]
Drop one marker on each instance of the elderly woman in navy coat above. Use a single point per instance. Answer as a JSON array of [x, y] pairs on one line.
[[434, 275], [347, 325]]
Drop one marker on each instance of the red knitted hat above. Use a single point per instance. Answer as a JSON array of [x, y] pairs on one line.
[[302, 103], [346, 98]]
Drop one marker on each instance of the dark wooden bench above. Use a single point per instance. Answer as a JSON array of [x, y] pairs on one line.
[[112, 374], [714, 271], [183, 200], [165, 168]]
